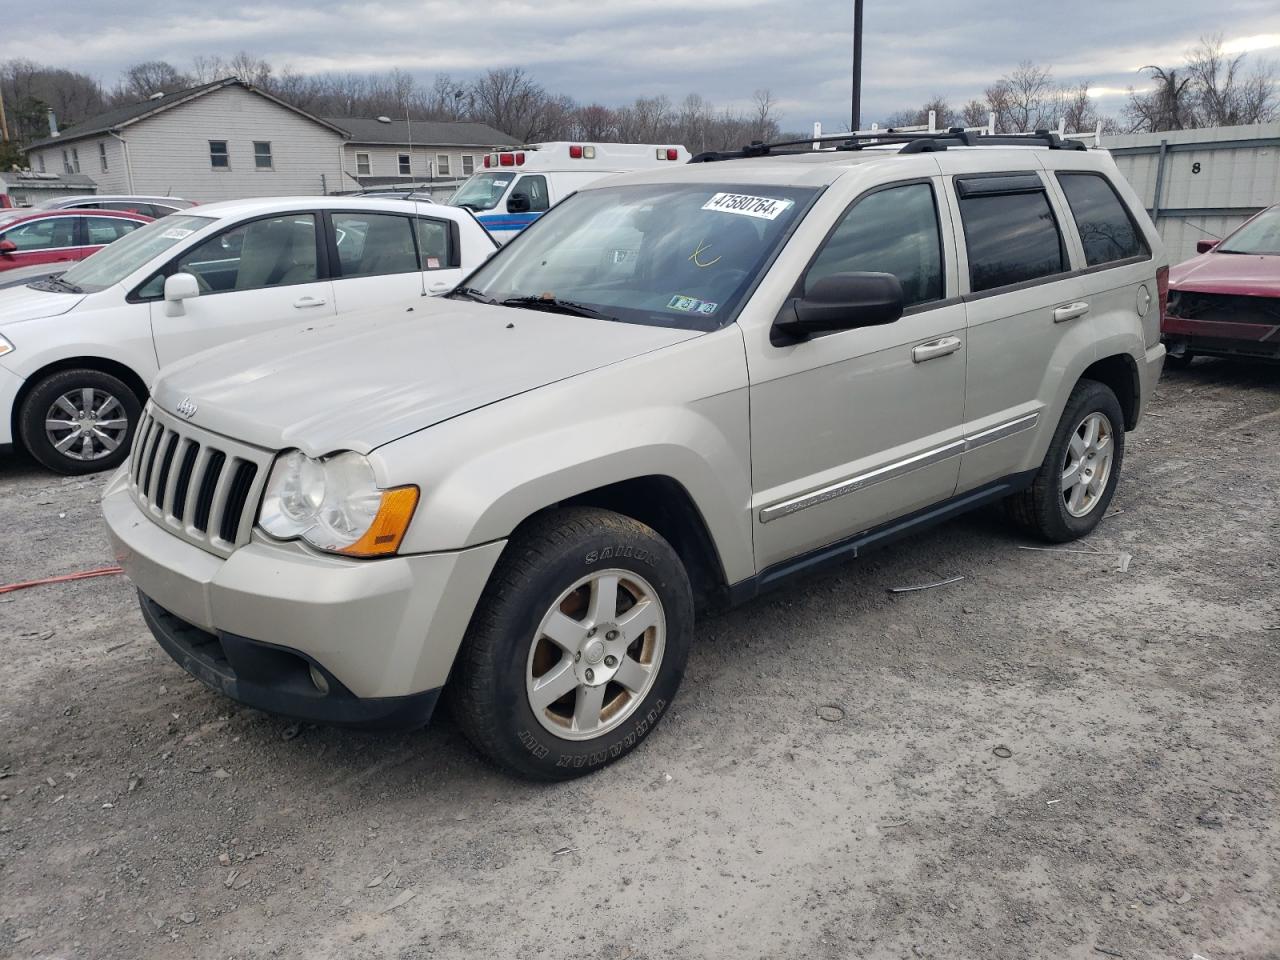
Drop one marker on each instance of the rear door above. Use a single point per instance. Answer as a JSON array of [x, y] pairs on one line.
[[1025, 315], [253, 277], [375, 259]]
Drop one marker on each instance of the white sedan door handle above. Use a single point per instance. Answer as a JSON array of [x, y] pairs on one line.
[[304, 302], [439, 287], [934, 348], [1071, 311]]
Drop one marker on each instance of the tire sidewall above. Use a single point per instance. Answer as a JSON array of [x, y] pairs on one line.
[[526, 743], [1096, 399], [37, 403]]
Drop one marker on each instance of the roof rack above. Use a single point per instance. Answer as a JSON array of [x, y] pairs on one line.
[[912, 142]]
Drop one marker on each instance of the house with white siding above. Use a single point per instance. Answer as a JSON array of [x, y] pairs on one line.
[[383, 152], [220, 141]]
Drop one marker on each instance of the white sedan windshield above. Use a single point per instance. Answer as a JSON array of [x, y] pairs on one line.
[[116, 261]]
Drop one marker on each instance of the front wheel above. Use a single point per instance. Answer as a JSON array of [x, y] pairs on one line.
[[79, 421], [1078, 477], [577, 646]]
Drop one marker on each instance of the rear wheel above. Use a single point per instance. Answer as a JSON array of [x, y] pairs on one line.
[[1078, 477], [79, 421], [577, 646]]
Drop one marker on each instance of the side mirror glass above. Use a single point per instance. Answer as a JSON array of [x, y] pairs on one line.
[[1202, 246], [177, 288], [7, 247], [518, 203], [841, 301]]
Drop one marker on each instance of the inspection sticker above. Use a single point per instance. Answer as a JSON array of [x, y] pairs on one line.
[[762, 208], [433, 263], [691, 305], [176, 233]]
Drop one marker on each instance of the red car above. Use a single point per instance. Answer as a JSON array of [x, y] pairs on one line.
[[62, 236], [1226, 301]]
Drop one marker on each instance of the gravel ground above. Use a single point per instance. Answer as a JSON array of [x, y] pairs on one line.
[[1051, 758]]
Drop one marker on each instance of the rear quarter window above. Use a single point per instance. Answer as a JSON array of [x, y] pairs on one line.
[[1107, 230]]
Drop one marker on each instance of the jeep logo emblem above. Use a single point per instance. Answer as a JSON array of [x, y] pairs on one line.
[[187, 408]]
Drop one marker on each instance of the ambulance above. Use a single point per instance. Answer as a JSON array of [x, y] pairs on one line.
[[519, 185]]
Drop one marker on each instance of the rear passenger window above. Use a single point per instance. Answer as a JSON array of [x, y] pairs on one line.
[[1106, 229], [374, 244], [103, 231], [890, 231], [1009, 230]]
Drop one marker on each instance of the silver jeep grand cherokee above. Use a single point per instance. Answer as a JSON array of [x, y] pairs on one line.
[[672, 392]]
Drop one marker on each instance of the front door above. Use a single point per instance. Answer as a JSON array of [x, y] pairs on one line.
[[47, 240], [253, 277], [854, 428]]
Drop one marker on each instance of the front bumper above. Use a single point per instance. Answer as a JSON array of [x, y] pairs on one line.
[[10, 384], [276, 679], [376, 629]]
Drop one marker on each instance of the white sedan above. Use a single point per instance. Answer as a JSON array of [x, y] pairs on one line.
[[78, 351]]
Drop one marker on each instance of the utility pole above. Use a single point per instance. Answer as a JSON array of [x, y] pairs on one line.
[[857, 64], [4, 124]]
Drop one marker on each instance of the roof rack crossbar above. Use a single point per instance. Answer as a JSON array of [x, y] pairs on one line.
[[913, 142]]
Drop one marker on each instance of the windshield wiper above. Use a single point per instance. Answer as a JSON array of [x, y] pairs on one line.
[[471, 293], [56, 283], [556, 305]]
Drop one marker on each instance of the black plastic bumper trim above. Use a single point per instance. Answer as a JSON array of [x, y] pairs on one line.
[[278, 679]]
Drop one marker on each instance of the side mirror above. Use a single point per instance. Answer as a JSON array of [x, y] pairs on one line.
[[518, 203], [841, 301], [1202, 246], [177, 288], [8, 247]]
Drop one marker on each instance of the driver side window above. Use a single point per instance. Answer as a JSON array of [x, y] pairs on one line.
[[894, 230]]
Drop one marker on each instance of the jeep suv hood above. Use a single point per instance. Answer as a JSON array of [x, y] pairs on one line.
[[22, 303], [358, 381]]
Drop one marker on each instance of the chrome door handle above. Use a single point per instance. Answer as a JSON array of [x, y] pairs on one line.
[[934, 348], [304, 302], [1070, 312]]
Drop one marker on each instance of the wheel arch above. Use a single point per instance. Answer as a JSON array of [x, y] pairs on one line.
[[1119, 372], [102, 364]]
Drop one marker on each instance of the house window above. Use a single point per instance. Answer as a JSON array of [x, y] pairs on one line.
[[75, 160], [40, 162], [363, 167], [468, 165], [218, 157], [442, 164], [262, 154], [102, 154]]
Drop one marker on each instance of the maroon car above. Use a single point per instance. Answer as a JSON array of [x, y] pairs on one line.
[[1226, 301], [58, 238]]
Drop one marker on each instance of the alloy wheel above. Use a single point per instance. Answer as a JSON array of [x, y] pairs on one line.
[[86, 424], [1087, 466]]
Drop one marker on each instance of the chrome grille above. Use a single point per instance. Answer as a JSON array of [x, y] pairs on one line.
[[201, 486]]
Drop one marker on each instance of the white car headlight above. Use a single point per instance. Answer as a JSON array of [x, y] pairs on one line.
[[5, 347], [335, 504]]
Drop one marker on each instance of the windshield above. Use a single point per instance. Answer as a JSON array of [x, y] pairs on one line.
[[672, 255], [482, 191], [116, 261], [1261, 235]]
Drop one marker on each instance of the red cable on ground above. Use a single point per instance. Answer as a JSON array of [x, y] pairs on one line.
[[83, 575]]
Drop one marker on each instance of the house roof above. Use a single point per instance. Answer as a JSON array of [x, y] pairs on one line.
[[29, 179], [114, 120], [433, 133]]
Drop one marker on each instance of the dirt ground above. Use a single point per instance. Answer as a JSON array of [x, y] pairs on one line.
[[829, 783]]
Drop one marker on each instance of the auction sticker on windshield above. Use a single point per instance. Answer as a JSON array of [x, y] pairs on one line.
[[763, 208]]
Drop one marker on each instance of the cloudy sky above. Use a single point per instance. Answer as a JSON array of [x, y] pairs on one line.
[[614, 50]]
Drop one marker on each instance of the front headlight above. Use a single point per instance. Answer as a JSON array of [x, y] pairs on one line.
[[335, 504], [5, 347]]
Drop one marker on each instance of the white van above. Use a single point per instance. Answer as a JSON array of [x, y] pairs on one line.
[[518, 186]]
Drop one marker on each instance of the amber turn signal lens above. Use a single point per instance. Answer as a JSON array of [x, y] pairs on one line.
[[388, 528]]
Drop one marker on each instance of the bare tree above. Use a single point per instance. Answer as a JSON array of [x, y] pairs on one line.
[[1225, 95], [944, 116], [152, 76], [1167, 107]]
